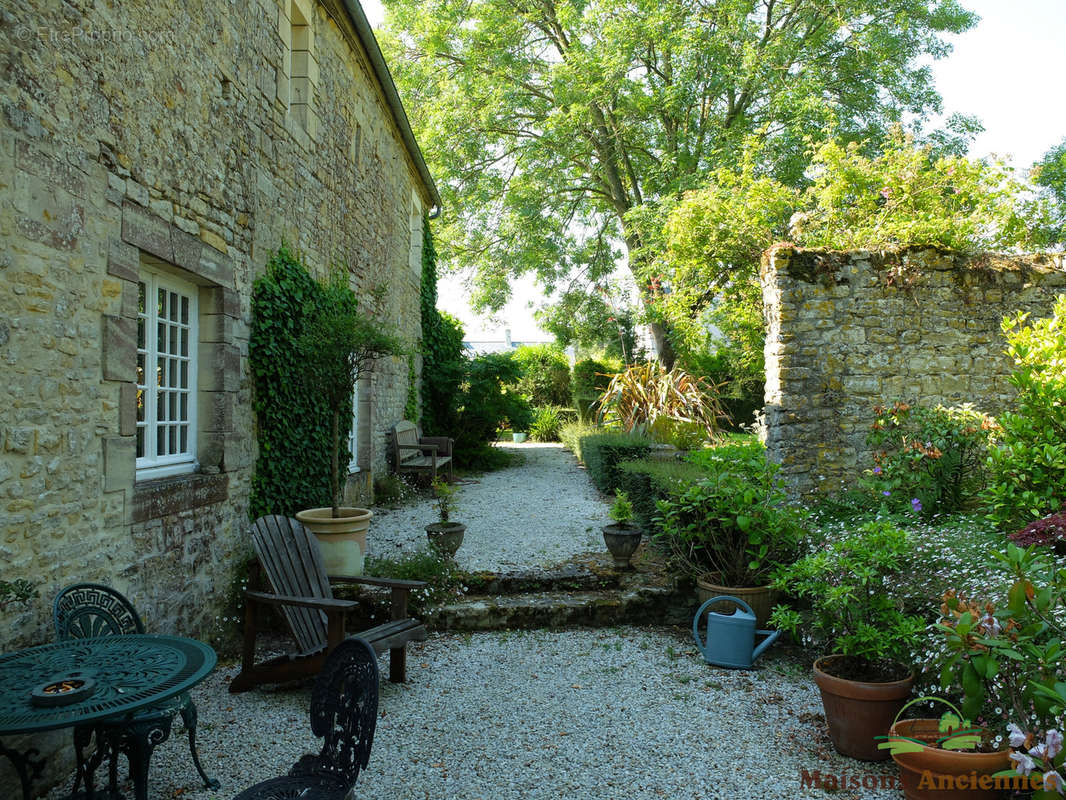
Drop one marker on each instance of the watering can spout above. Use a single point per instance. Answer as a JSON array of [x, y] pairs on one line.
[[771, 637]]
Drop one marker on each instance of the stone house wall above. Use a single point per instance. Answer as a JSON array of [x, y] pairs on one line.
[[847, 331], [192, 139]]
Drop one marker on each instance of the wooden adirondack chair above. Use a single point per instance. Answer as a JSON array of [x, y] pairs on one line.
[[291, 559]]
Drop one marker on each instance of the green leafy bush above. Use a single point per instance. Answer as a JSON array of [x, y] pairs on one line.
[[1029, 465], [547, 423], [645, 481], [486, 406], [443, 357], [930, 460], [589, 380], [602, 451], [848, 604], [545, 377], [734, 523]]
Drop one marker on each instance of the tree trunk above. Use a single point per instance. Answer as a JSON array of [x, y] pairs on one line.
[[660, 335], [335, 468], [660, 329]]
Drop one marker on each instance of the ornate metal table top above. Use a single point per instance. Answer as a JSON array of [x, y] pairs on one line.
[[128, 673]]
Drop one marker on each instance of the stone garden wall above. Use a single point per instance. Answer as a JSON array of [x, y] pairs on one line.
[[847, 331]]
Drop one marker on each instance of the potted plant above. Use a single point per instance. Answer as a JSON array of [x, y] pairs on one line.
[[622, 537], [850, 612], [338, 345], [1005, 658], [445, 536], [731, 529]]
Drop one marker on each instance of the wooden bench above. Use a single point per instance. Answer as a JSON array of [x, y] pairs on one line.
[[291, 559], [416, 454]]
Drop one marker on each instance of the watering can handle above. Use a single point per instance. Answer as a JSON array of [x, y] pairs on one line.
[[707, 604]]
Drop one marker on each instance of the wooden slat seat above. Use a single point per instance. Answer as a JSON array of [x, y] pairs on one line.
[[413, 453], [291, 559]]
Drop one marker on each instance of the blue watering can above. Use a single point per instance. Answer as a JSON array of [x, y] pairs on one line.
[[730, 638]]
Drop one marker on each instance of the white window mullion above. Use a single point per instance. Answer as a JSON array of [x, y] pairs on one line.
[[170, 342]]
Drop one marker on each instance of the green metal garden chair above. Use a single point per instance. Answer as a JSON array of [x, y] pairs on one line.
[[85, 610]]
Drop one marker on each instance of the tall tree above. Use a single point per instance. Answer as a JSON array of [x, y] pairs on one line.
[[554, 125]]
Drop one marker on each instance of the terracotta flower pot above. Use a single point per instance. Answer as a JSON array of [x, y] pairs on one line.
[[446, 537], [935, 774], [342, 539], [760, 598], [857, 712], [622, 541]]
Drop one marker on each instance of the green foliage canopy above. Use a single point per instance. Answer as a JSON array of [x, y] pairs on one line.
[[549, 123]]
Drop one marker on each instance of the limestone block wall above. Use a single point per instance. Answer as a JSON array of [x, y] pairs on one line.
[[847, 331], [192, 139], [144, 134]]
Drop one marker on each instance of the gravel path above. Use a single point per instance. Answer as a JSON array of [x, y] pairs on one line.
[[539, 513], [613, 714]]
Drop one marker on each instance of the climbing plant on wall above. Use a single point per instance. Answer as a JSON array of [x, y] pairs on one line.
[[293, 422], [442, 351]]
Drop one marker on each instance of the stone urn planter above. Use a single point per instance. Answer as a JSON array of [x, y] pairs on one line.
[[622, 541], [342, 539], [760, 598], [446, 537], [859, 712]]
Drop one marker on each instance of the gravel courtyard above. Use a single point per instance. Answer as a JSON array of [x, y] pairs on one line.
[[608, 714]]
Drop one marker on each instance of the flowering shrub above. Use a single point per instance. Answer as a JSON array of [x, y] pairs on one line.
[[929, 460], [1006, 660]]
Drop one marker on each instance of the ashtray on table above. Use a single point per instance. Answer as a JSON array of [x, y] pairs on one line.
[[63, 691]]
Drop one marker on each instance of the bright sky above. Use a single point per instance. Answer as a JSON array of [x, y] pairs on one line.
[[1007, 72]]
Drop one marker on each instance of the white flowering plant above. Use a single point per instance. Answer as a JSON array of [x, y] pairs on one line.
[[1007, 661]]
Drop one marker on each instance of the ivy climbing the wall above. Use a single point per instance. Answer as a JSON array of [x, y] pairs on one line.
[[293, 421], [442, 352]]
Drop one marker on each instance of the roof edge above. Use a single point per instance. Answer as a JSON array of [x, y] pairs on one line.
[[392, 97]]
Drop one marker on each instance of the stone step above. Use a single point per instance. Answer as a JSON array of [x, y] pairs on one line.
[[643, 605], [573, 577]]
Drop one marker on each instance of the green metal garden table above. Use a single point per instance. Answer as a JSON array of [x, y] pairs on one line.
[[80, 682]]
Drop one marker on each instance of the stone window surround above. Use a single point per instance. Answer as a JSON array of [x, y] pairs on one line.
[[219, 365], [297, 76]]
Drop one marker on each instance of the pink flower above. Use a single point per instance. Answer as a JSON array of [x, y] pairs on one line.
[[1024, 765], [1054, 743], [1053, 782], [990, 627], [1017, 738]]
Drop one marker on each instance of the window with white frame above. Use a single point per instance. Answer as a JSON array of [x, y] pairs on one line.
[[353, 434], [166, 376]]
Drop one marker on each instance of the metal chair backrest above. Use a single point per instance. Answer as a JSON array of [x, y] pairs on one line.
[[82, 610], [293, 565], [344, 712]]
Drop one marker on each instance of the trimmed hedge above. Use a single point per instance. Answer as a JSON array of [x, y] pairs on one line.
[[648, 480], [602, 451]]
